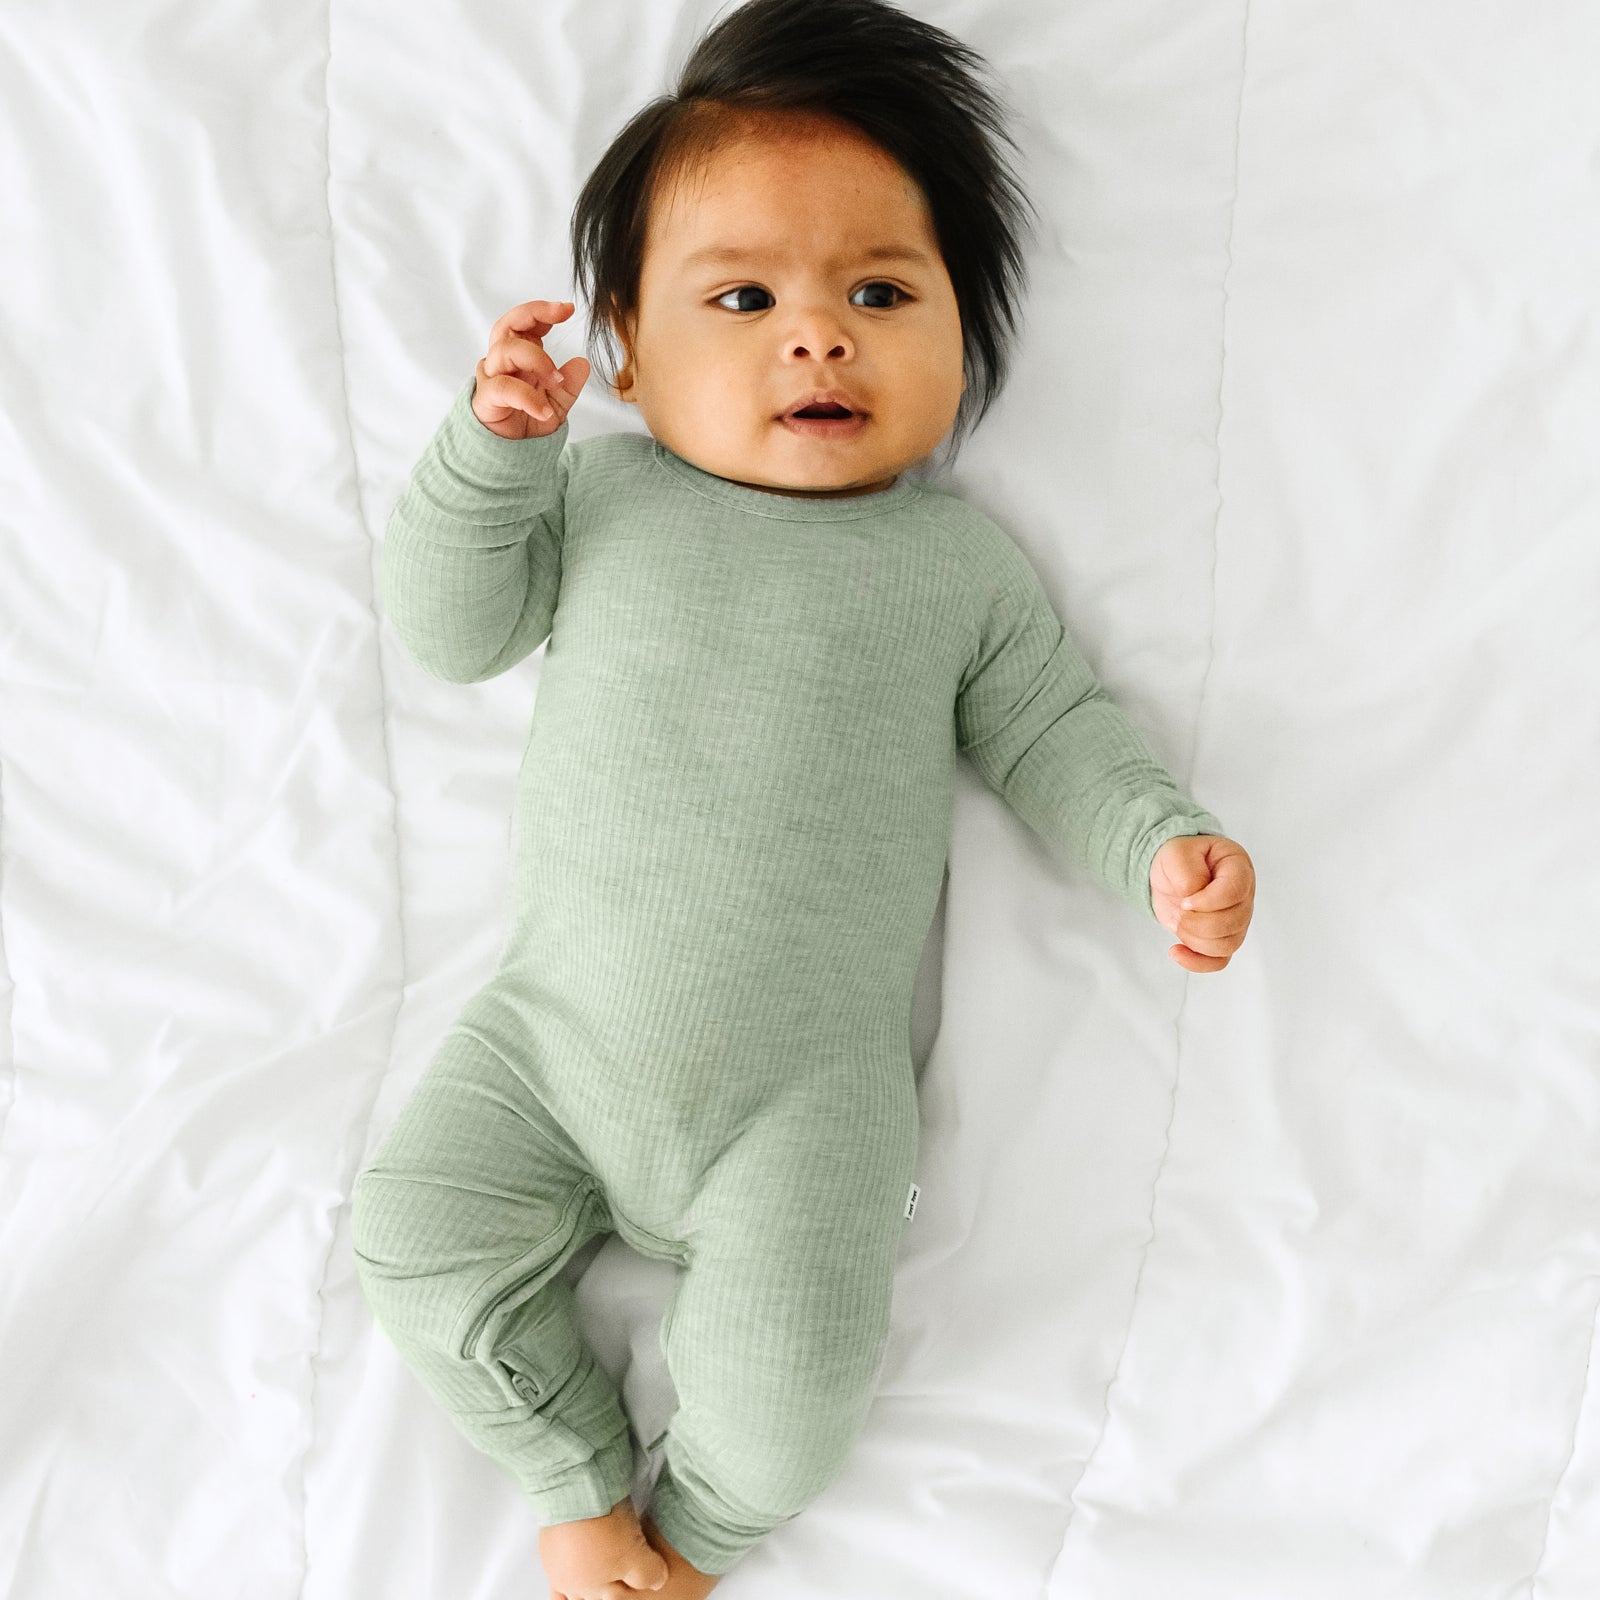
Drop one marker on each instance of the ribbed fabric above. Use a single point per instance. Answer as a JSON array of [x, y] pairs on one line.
[[731, 825]]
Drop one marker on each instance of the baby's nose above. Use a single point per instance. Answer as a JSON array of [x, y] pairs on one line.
[[826, 347]]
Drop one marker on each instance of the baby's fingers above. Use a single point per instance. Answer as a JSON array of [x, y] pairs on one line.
[[511, 407], [574, 374], [532, 316], [1220, 948], [521, 356], [1193, 961], [1211, 925], [518, 358]]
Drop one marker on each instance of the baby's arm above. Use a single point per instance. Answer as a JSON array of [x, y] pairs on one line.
[[1044, 734], [472, 556]]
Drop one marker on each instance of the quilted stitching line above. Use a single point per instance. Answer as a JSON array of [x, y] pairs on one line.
[[8, 983], [1561, 1477], [388, 773], [1177, 1036]]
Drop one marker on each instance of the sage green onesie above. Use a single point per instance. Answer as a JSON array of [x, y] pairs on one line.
[[730, 830]]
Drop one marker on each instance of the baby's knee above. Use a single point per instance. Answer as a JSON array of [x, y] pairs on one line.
[[382, 1223], [394, 1224]]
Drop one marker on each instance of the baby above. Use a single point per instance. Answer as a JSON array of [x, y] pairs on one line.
[[767, 644]]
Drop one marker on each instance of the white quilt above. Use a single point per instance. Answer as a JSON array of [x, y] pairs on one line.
[[1278, 1283]]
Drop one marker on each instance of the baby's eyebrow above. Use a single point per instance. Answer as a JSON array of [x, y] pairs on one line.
[[732, 255]]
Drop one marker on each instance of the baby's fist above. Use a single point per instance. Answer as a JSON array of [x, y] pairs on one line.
[[521, 393], [1204, 889]]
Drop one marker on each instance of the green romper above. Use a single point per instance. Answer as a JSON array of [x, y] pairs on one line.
[[730, 830]]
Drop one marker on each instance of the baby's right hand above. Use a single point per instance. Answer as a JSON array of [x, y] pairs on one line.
[[521, 393]]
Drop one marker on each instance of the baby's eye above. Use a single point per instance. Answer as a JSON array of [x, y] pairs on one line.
[[876, 305], [883, 305], [744, 288]]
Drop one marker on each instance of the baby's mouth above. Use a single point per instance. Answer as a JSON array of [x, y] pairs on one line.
[[824, 419]]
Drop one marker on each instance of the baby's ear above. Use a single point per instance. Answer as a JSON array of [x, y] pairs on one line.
[[622, 384]]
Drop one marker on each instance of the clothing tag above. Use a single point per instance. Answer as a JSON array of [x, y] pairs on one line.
[[911, 1201]]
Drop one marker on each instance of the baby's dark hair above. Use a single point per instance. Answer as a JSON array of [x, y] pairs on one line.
[[908, 86]]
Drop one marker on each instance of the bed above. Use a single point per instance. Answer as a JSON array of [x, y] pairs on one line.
[[1274, 1282]]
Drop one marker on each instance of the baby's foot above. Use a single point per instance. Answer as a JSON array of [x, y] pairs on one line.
[[601, 1558], [686, 1582]]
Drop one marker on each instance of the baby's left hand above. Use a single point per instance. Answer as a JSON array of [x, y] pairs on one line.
[[1204, 889]]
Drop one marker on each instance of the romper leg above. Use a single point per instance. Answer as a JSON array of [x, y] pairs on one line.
[[462, 1222], [777, 1330]]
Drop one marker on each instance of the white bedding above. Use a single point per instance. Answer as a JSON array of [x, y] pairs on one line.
[[1274, 1284]]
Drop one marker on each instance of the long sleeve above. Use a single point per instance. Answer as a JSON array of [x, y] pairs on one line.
[[472, 556], [1044, 735]]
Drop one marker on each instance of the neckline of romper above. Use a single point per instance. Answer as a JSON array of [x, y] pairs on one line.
[[785, 507]]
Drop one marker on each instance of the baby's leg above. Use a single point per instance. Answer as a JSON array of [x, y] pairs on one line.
[[777, 1328], [462, 1223]]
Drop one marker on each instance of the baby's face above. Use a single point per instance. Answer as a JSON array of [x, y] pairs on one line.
[[722, 348]]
